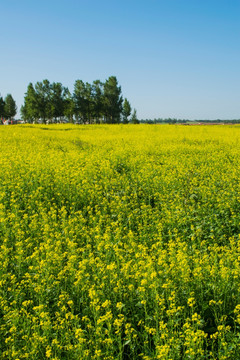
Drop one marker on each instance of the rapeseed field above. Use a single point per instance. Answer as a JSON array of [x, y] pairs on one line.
[[119, 242]]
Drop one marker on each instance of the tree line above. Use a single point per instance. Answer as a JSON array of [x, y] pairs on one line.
[[186, 121], [8, 107], [99, 102]]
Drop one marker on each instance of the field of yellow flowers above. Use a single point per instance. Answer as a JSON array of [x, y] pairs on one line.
[[119, 242]]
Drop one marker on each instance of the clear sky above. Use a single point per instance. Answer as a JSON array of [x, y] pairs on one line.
[[172, 58]]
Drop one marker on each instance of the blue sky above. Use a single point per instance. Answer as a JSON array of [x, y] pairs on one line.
[[172, 58]]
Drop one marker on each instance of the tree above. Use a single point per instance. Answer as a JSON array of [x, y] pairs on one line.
[[126, 110], [43, 98], [134, 119], [45, 101], [97, 97], [68, 106], [57, 97], [10, 107], [30, 110], [112, 100], [89, 101], [79, 98], [1, 108]]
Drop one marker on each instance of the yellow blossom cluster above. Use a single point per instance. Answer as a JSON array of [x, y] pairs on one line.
[[119, 242]]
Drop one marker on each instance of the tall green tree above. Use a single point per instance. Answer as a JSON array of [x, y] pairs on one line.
[[134, 119], [10, 107], [83, 100], [58, 93], [112, 100], [45, 101], [97, 98], [30, 110], [43, 97], [69, 106], [1, 108], [126, 111], [79, 101], [89, 101]]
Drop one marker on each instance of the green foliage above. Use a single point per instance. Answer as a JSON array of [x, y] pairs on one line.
[[83, 101], [98, 101], [30, 109], [10, 107], [90, 103], [46, 101], [58, 96], [126, 111], [134, 119], [69, 106], [44, 104], [112, 100], [1, 107]]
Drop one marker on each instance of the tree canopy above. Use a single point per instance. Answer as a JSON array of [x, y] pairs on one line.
[[9, 107], [126, 111], [112, 100], [89, 103], [1, 107], [134, 119]]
